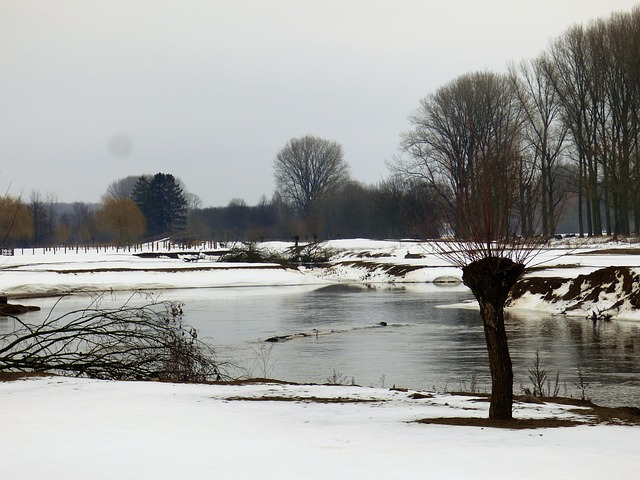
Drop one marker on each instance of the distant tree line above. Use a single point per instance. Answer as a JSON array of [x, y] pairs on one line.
[[133, 209], [391, 209]]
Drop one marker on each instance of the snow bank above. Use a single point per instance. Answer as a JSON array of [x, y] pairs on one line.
[[602, 294], [36, 272], [64, 279]]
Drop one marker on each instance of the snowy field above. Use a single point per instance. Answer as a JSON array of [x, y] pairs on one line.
[[38, 273], [64, 428], [34, 272]]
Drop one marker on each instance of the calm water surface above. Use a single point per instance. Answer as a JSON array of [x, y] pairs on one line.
[[423, 346]]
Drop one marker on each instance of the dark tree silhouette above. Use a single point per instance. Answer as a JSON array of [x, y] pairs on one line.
[[163, 203]]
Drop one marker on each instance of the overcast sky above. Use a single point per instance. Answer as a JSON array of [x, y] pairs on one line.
[[93, 91]]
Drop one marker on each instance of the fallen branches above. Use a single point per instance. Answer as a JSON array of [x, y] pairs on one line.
[[144, 341]]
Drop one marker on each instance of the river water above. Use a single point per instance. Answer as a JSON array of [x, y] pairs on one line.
[[429, 341]]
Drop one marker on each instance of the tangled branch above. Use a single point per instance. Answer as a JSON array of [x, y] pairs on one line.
[[142, 342]]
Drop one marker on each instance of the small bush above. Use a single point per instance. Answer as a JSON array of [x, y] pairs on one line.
[[542, 385], [338, 378], [309, 253], [251, 252]]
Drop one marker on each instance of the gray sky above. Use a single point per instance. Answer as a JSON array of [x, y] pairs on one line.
[[93, 91]]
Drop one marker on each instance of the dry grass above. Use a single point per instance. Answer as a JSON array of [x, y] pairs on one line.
[[393, 269]]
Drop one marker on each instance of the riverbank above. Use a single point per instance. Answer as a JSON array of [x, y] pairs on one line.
[[79, 428], [571, 276]]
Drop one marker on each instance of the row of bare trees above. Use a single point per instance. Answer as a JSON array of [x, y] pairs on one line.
[[569, 121], [392, 209], [595, 73]]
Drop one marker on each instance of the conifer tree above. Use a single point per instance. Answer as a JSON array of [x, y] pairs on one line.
[[163, 203]]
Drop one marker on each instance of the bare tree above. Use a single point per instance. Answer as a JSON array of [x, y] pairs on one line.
[[544, 134], [307, 169], [144, 341], [572, 75], [193, 201], [467, 123], [466, 145], [121, 188], [82, 221], [43, 214]]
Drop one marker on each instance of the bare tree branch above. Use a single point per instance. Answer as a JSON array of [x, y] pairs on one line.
[[147, 341]]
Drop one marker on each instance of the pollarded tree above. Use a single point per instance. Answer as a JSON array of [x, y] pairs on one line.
[[465, 145], [163, 203], [307, 169]]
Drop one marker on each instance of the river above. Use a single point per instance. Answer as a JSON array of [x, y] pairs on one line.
[[429, 342]]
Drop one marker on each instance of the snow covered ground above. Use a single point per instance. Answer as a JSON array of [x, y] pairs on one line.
[[63, 428], [36, 272]]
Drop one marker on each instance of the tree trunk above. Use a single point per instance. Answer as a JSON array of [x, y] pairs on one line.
[[490, 280]]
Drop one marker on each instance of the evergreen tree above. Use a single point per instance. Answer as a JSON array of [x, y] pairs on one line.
[[163, 203]]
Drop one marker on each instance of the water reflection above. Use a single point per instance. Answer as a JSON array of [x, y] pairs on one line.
[[608, 353], [423, 346], [6, 325]]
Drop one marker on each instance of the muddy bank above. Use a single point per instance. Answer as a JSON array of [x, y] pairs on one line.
[[602, 294], [15, 309]]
